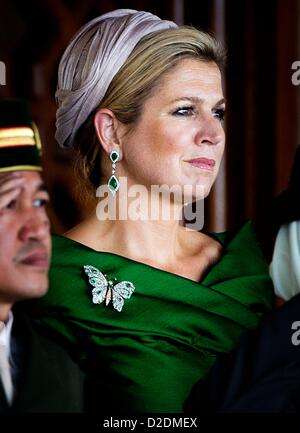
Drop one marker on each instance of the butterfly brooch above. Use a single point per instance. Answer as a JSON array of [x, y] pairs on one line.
[[108, 289]]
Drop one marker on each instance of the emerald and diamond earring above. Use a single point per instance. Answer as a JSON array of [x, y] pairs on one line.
[[113, 183]]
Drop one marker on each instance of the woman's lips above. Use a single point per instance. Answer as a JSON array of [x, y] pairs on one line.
[[203, 163]]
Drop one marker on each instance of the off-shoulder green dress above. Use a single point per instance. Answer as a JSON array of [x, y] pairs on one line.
[[147, 357]]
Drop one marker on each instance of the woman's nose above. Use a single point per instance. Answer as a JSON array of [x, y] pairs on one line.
[[210, 131]]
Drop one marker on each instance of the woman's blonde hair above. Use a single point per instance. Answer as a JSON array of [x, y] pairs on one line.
[[154, 55]]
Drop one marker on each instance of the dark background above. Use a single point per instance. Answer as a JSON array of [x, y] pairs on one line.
[[262, 41]]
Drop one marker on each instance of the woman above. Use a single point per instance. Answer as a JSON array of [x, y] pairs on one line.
[[141, 99]]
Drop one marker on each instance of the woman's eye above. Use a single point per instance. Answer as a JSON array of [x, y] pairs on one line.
[[184, 111], [220, 114], [40, 202]]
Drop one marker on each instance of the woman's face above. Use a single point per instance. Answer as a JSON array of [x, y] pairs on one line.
[[179, 138]]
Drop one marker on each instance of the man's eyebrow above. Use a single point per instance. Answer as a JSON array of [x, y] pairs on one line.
[[42, 187]]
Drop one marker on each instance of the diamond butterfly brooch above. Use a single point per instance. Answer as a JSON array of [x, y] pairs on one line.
[[108, 289]]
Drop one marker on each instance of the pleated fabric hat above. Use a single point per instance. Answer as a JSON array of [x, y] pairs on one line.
[[20, 144]]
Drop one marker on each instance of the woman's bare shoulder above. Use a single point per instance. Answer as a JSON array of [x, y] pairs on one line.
[[198, 243]]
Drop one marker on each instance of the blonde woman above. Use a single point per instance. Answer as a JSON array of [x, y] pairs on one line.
[[145, 303]]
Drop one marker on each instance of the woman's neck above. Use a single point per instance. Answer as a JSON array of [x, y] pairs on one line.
[[162, 243], [158, 240]]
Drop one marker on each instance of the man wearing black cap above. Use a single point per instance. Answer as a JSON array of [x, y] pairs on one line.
[[36, 375], [262, 374]]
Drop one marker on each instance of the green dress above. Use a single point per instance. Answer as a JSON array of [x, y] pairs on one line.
[[147, 357]]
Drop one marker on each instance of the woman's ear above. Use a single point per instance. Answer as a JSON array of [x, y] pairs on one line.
[[106, 124]]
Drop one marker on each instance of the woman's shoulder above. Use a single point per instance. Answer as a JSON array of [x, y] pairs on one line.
[[67, 252], [66, 243], [243, 236], [242, 247], [58, 239]]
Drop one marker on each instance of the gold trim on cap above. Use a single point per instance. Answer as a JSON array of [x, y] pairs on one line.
[[21, 167], [16, 132], [17, 136], [37, 136], [16, 141]]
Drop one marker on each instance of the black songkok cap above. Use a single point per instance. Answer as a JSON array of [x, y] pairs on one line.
[[20, 144]]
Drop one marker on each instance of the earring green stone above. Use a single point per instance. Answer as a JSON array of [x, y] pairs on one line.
[[113, 183], [114, 156]]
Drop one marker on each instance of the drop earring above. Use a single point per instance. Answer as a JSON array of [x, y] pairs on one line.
[[113, 183]]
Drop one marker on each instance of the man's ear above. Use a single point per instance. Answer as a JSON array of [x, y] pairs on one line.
[[106, 125]]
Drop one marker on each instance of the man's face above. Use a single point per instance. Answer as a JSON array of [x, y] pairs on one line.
[[25, 244]]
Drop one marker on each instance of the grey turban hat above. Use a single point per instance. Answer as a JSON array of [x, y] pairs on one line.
[[92, 59]]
